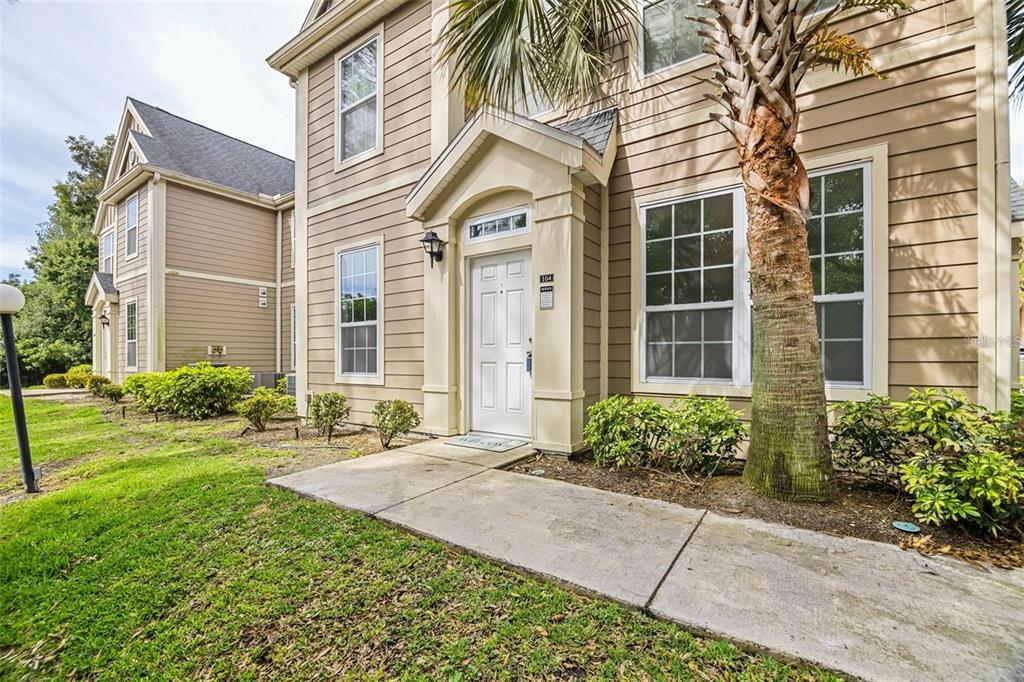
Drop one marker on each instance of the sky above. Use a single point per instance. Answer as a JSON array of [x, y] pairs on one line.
[[66, 68]]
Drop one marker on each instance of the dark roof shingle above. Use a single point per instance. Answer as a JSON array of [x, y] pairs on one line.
[[106, 282], [595, 129], [1016, 201], [181, 146]]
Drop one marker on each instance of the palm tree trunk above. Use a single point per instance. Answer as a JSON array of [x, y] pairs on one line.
[[789, 451]]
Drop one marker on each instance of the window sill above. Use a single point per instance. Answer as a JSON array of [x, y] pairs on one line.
[[359, 380], [725, 390], [358, 159], [643, 80]]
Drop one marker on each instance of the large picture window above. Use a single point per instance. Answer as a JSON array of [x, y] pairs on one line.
[[131, 233], [358, 101], [131, 335], [696, 312], [669, 37], [359, 333]]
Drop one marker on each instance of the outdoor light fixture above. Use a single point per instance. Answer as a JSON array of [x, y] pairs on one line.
[[11, 302], [432, 246], [104, 320]]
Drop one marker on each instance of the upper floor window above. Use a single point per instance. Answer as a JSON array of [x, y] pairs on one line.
[[358, 100], [668, 36], [131, 335], [291, 223], [107, 260], [131, 232]]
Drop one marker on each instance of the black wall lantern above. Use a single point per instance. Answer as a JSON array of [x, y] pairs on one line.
[[104, 320], [432, 245]]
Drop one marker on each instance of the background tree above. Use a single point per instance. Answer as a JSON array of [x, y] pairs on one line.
[[54, 331], [1015, 46], [501, 50]]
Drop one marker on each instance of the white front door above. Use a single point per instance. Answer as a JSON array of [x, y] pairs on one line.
[[501, 328]]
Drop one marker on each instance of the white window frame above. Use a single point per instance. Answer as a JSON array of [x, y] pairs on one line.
[[111, 233], [487, 217], [641, 63], [128, 227], [294, 340], [377, 378], [876, 274], [740, 299], [376, 34], [291, 228], [129, 305]]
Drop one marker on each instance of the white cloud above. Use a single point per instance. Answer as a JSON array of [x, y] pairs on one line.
[[65, 69]]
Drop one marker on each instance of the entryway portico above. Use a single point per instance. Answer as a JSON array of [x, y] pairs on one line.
[[511, 193]]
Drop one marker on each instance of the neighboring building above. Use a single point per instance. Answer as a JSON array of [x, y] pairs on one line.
[[195, 250], [608, 242]]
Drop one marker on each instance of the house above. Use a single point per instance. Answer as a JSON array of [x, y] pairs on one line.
[[195, 250], [601, 250]]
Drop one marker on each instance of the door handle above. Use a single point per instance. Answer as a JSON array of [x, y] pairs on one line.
[[529, 362]]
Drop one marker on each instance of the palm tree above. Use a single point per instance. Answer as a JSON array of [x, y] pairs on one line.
[[502, 50]]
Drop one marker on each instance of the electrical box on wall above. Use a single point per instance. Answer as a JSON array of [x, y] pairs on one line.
[[216, 350], [263, 301], [262, 297]]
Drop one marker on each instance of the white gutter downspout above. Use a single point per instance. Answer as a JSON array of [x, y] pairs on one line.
[[277, 297]]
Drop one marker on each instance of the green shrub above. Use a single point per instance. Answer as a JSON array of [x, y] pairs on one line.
[[981, 488], [394, 418], [328, 411], [197, 392], [703, 432], [95, 383], [201, 391], [150, 390], [55, 381], [262, 405], [625, 431], [865, 440], [282, 386], [113, 392], [692, 435], [78, 375], [1017, 402]]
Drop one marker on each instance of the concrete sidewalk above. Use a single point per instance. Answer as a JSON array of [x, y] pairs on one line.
[[865, 608]]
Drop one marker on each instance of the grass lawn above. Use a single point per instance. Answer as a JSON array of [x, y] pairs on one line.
[[161, 553]]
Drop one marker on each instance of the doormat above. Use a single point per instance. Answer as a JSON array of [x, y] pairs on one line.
[[479, 441]]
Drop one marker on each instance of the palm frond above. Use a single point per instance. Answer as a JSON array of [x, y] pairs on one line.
[[1015, 46], [503, 52]]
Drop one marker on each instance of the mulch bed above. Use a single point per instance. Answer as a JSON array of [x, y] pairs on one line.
[[862, 510]]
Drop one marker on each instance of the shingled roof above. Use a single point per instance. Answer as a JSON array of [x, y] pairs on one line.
[[106, 282], [181, 146], [595, 129], [1016, 201]]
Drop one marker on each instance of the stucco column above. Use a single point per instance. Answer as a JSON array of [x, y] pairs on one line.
[[97, 342], [558, 332], [113, 364], [441, 401]]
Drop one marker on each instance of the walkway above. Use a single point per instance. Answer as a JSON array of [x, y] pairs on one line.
[[864, 608]]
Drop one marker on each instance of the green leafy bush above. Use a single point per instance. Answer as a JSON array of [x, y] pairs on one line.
[[201, 391], [328, 411], [55, 381], [78, 375], [865, 440], [1017, 402], [150, 390], [692, 435], [113, 392], [282, 386], [95, 383], [982, 488], [262, 405], [394, 418], [197, 392], [703, 432]]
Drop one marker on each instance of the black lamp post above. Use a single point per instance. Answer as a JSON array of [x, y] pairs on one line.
[[11, 302], [432, 245]]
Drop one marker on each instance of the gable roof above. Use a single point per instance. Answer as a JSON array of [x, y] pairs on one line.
[[181, 146], [595, 129], [1016, 201], [101, 288]]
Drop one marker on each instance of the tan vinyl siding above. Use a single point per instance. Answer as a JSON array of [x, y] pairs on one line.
[[127, 267], [592, 296], [203, 312], [924, 111], [133, 289], [287, 299], [406, 85], [212, 234]]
